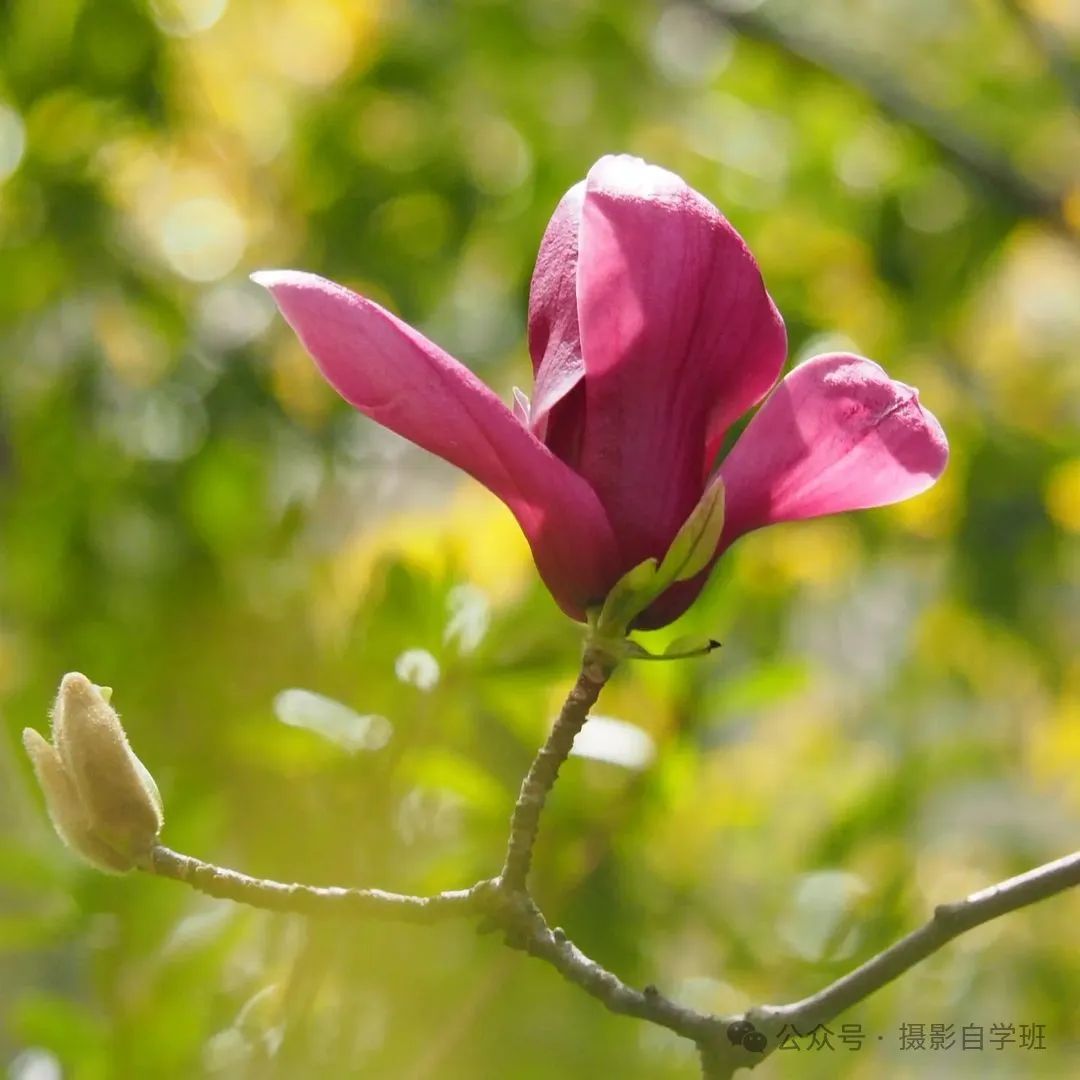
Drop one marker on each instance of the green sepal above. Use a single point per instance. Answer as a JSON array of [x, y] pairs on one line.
[[629, 597], [695, 543], [690, 552]]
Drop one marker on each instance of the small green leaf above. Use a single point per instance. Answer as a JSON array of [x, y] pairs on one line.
[[690, 645], [682, 648]]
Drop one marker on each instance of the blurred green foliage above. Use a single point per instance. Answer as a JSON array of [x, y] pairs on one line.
[[189, 515]]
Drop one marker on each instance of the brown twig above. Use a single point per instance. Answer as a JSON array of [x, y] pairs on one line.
[[948, 922], [544, 770], [721, 1056], [297, 899], [506, 904], [527, 929]]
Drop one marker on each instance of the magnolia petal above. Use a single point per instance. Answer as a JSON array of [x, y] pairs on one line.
[[396, 376], [554, 340], [837, 434], [678, 336]]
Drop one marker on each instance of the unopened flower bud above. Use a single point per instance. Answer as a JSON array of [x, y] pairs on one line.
[[102, 801]]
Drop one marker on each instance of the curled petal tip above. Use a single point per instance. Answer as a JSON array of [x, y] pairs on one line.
[[837, 434], [277, 279], [269, 279]]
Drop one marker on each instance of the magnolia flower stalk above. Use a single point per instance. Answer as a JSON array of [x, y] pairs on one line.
[[102, 801]]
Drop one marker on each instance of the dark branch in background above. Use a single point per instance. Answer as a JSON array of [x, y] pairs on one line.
[[504, 903], [1061, 64], [986, 164]]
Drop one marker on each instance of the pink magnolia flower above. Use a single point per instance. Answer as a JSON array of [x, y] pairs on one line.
[[650, 332]]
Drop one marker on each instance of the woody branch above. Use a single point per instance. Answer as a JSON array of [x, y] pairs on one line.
[[505, 903]]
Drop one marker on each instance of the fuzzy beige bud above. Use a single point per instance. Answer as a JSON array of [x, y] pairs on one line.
[[102, 801]]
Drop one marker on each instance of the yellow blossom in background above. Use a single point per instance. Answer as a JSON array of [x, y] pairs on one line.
[[1063, 495], [473, 534], [1053, 753], [816, 553]]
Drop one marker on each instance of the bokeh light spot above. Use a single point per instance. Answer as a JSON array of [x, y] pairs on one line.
[[203, 238], [182, 18], [12, 141]]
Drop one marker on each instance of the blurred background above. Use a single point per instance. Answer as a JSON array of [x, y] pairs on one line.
[[334, 653]]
